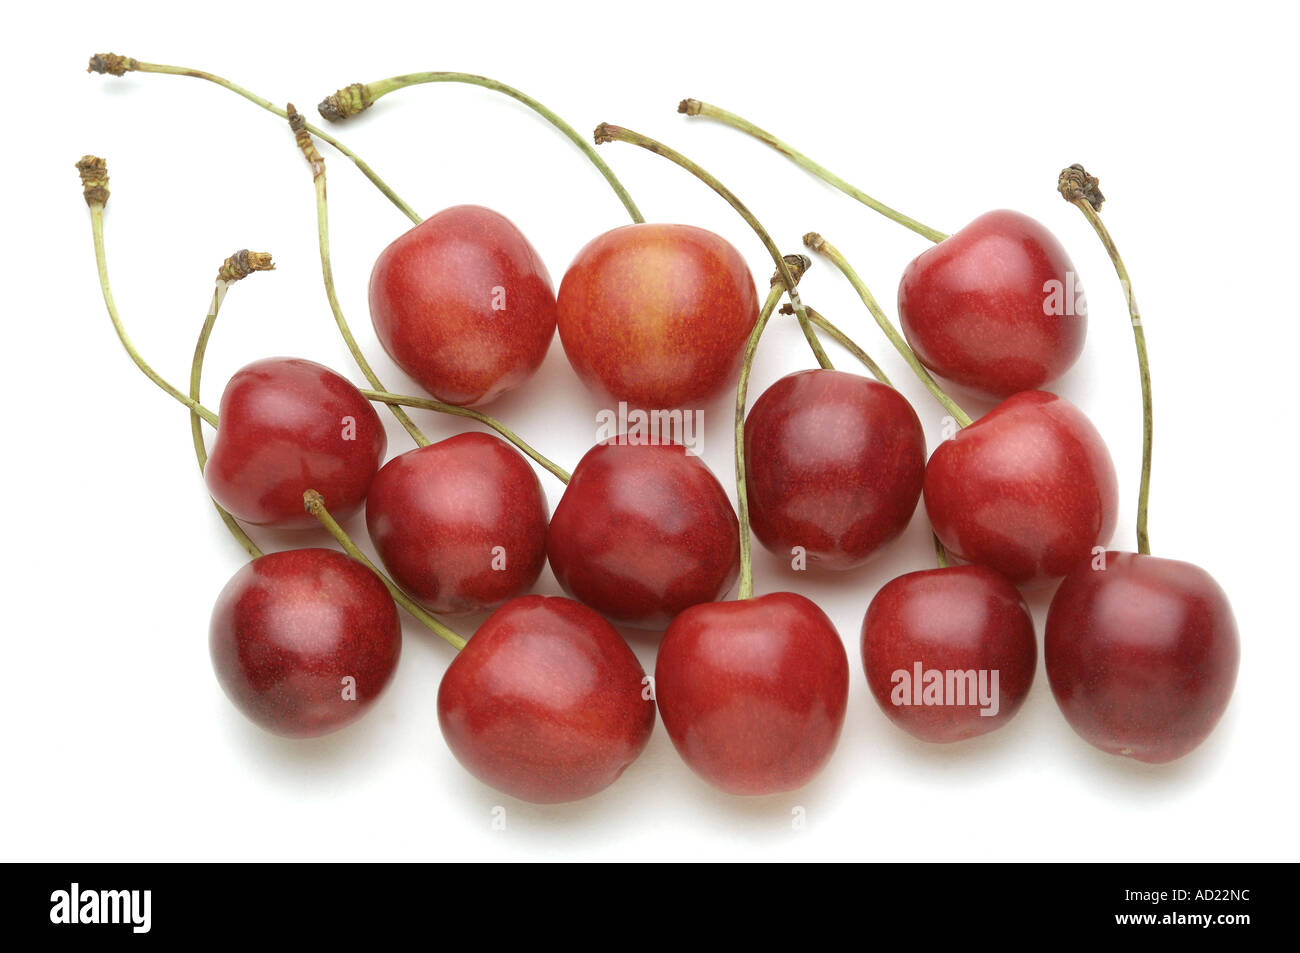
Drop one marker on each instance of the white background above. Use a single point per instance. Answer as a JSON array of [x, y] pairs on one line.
[[118, 743]]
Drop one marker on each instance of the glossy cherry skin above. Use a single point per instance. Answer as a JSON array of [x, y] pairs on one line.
[[291, 628], [463, 303], [1028, 489], [460, 524], [958, 619], [657, 315], [833, 464], [1142, 655], [642, 532], [753, 692], [996, 307], [546, 703], [288, 426]]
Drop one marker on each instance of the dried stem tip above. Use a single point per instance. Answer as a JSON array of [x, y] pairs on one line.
[[690, 107], [243, 263], [814, 241], [1075, 183], [299, 126], [94, 179], [797, 264], [604, 133], [313, 502], [348, 101], [110, 63]]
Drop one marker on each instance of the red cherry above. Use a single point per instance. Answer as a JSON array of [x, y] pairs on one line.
[[460, 524], [657, 315], [994, 307], [546, 702], [1028, 489], [834, 464], [304, 641], [961, 619], [463, 304], [642, 532], [753, 692], [287, 426], [1142, 655]]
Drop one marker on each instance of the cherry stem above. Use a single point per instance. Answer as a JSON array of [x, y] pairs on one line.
[[693, 107], [314, 503], [610, 133], [823, 247], [236, 267], [796, 265], [1082, 190], [940, 554], [115, 65], [429, 403], [303, 137], [358, 97], [94, 180], [845, 342]]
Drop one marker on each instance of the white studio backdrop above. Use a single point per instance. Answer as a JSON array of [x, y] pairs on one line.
[[117, 741]]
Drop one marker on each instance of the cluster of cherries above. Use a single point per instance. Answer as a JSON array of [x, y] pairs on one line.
[[546, 701]]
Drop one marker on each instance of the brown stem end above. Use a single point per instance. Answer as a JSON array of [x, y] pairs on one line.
[[605, 132], [299, 126], [313, 503], [345, 103], [798, 264], [243, 263], [1076, 184], [689, 107], [94, 180], [814, 241], [110, 63]]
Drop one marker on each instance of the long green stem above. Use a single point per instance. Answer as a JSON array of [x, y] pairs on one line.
[[315, 505], [196, 375], [94, 178], [303, 136], [360, 96], [429, 403], [746, 590], [693, 107], [610, 133], [115, 65], [823, 247], [844, 341], [1082, 191], [236, 267]]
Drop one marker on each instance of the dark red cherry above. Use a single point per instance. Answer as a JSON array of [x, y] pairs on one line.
[[657, 315], [463, 304], [996, 307], [546, 702], [753, 692], [834, 464], [1028, 489], [642, 532], [304, 641], [1141, 655], [460, 524], [949, 653], [287, 426]]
